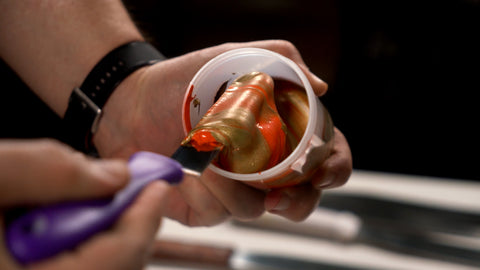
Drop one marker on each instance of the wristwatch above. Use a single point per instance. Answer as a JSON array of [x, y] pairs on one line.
[[86, 102]]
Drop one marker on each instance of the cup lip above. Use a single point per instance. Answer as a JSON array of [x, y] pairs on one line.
[[286, 163]]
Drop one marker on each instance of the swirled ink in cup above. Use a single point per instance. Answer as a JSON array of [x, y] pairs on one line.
[[245, 125], [273, 132]]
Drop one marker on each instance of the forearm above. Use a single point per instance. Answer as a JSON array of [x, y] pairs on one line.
[[53, 45]]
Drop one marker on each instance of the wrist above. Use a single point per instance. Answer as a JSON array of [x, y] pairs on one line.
[[115, 125], [86, 102]]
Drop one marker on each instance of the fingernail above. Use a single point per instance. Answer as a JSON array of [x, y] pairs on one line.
[[327, 182], [282, 204], [113, 171]]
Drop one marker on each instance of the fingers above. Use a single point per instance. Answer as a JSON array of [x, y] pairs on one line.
[[289, 50], [127, 245], [212, 199], [43, 171], [192, 204], [241, 201], [318, 85], [142, 220], [295, 203], [336, 170]]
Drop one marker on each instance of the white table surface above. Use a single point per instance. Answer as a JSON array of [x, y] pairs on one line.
[[449, 193]]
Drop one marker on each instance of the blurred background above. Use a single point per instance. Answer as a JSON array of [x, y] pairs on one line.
[[403, 75]]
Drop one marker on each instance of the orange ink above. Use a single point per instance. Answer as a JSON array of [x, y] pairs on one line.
[[186, 116], [245, 124], [292, 105], [204, 141]]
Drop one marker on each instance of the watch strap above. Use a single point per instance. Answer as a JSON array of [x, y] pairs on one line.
[[86, 102]]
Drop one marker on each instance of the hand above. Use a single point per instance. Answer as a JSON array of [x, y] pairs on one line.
[[144, 113], [44, 171]]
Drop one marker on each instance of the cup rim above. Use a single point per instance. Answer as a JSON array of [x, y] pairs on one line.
[[302, 146]]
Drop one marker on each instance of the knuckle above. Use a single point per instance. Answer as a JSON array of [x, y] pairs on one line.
[[59, 166], [344, 167], [212, 216], [50, 147], [138, 245], [72, 170], [249, 214], [300, 212], [285, 47], [55, 152], [69, 164], [229, 44], [304, 200], [342, 170]]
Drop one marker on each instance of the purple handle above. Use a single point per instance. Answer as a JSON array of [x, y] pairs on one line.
[[47, 231]]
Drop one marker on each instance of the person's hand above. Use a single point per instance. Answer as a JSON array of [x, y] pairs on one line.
[[144, 113], [40, 172]]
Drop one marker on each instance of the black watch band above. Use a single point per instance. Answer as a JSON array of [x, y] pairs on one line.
[[86, 102]]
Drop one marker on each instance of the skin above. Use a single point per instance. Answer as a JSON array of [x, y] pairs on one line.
[[40, 41], [212, 199], [77, 177]]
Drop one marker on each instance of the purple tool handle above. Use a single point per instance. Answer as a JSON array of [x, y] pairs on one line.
[[47, 231]]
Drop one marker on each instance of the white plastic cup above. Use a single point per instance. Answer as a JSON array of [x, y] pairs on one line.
[[316, 143]]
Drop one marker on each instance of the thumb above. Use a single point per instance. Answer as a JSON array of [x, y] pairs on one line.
[[45, 171], [318, 85]]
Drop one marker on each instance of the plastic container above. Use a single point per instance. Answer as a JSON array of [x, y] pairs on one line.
[[219, 72]]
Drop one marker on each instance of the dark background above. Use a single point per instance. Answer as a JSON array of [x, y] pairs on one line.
[[403, 75]]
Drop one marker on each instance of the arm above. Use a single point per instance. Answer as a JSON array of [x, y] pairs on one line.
[[53, 45]]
